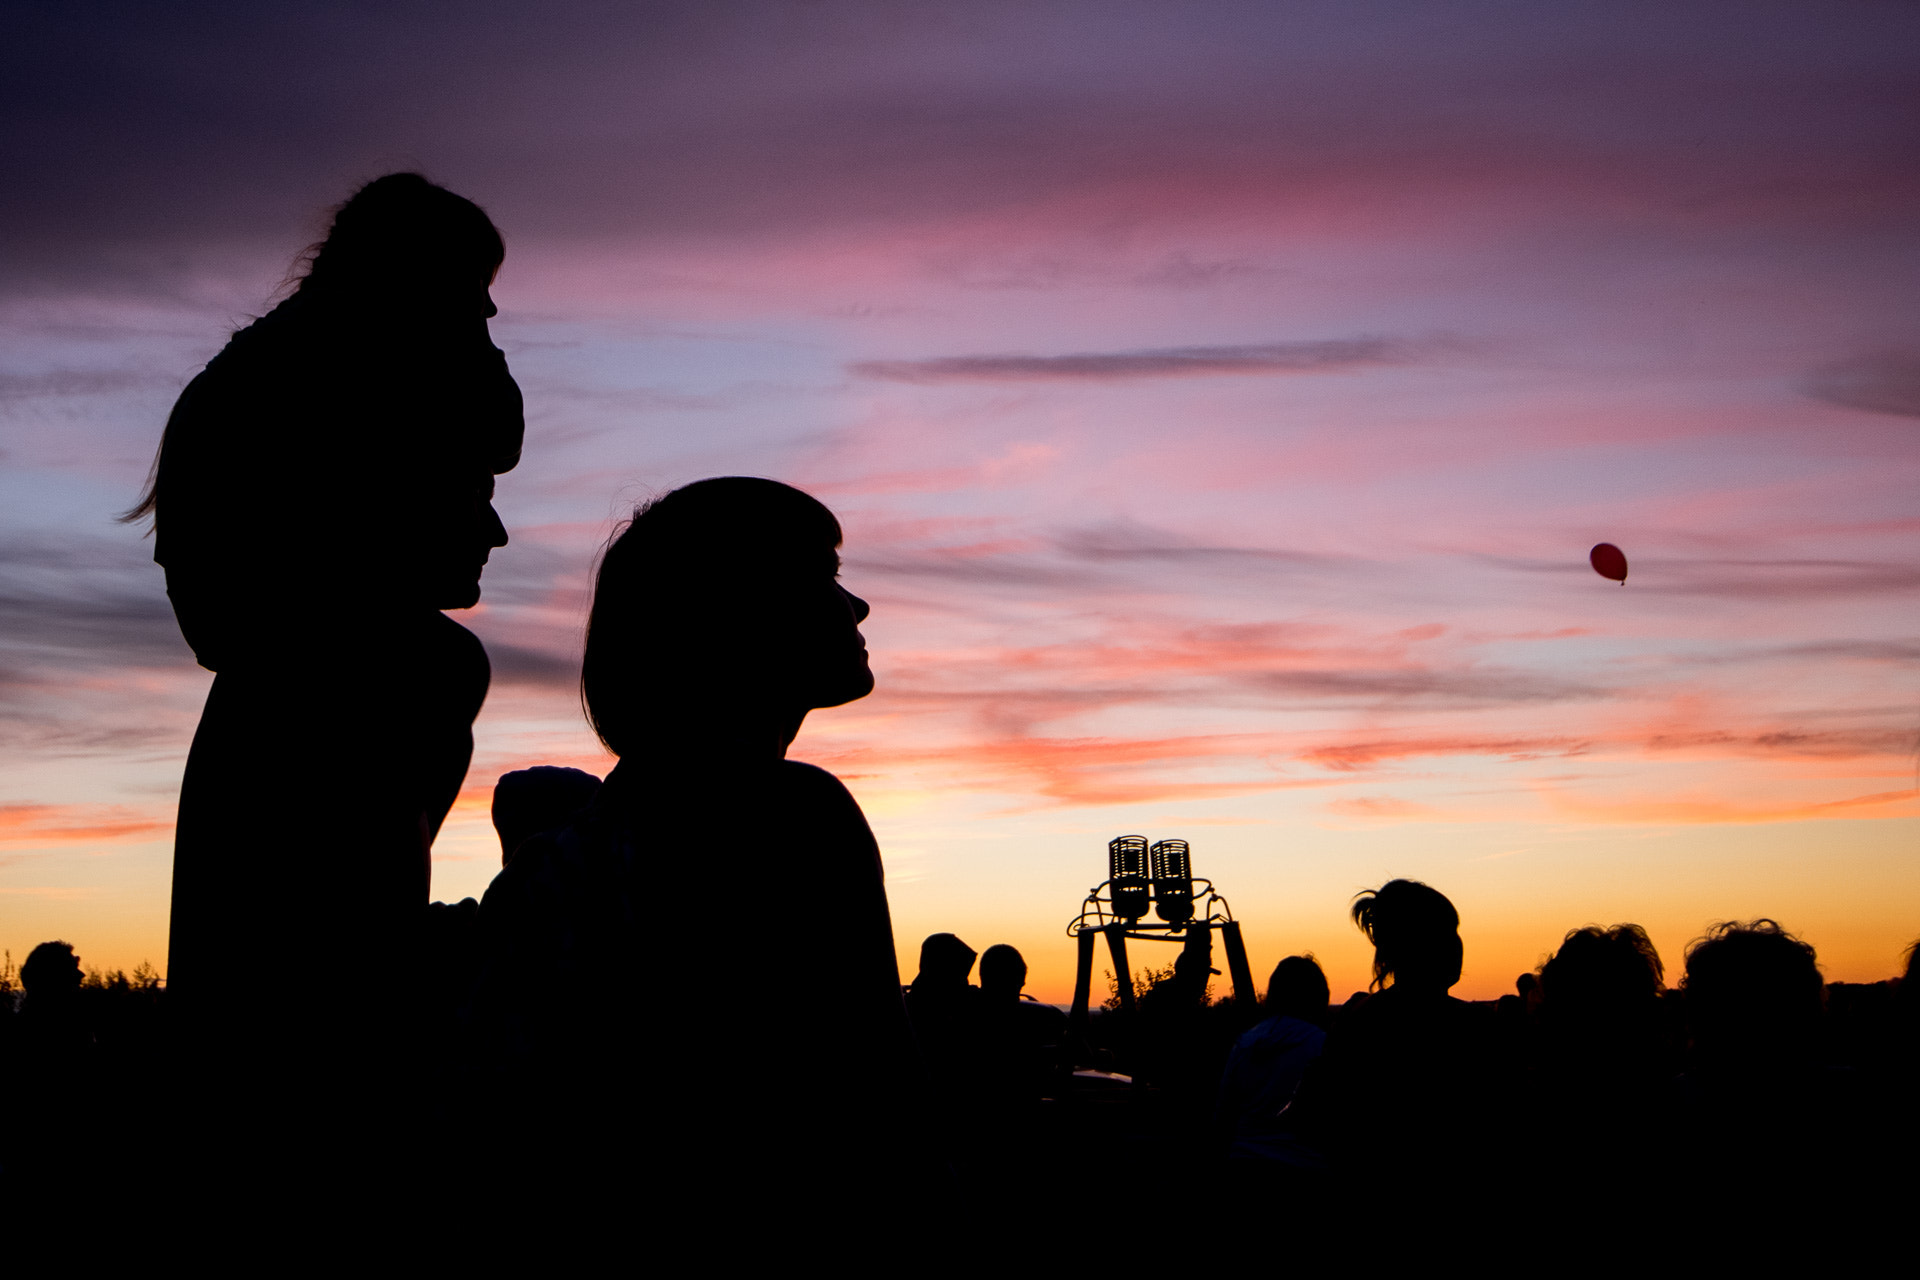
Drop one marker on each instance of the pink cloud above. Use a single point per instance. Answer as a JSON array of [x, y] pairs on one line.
[[1716, 810], [36, 825]]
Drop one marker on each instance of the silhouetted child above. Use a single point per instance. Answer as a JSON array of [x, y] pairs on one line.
[[1267, 1063], [529, 801], [526, 802], [768, 1083]]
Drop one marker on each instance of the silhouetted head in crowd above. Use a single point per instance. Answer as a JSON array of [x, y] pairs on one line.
[[1754, 997], [1192, 969], [529, 801], [1906, 996], [1415, 934], [1003, 972], [945, 962], [718, 616], [1297, 989], [51, 974], [1602, 973]]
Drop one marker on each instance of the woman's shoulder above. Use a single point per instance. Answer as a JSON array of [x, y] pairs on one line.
[[819, 805], [811, 786]]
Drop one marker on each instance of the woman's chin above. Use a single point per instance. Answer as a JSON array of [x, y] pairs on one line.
[[852, 690]]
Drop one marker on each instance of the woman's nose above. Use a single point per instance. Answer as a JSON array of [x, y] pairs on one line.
[[860, 607]]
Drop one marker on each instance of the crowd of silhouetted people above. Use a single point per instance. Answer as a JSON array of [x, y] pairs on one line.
[[1766, 1089], [676, 1012], [1763, 1087]]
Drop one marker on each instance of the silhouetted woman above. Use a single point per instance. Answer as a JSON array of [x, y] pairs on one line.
[[1401, 1095], [322, 492], [693, 986]]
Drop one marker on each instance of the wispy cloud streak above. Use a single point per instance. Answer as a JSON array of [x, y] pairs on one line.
[[1886, 382], [1339, 355]]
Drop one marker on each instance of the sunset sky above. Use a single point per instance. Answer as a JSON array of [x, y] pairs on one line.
[[1220, 400]]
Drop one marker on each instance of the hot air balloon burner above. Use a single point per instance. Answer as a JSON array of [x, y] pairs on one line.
[[1127, 876], [1172, 881], [1189, 910]]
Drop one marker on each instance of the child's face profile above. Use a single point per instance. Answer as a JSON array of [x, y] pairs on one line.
[[739, 606], [822, 652]]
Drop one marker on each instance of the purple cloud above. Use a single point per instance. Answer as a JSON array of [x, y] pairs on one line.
[[1886, 382], [1335, 355]]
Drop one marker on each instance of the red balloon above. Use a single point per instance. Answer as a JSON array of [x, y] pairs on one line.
[[1609, 561]]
